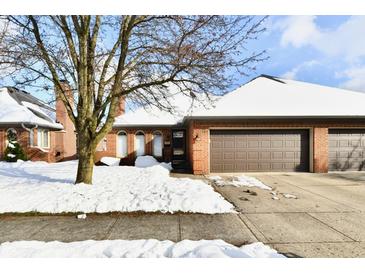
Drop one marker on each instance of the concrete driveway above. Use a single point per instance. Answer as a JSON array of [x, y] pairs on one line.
[[326, 220]]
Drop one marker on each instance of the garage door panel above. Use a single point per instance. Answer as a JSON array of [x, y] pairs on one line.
[[346, 149], [252, 155], [216, 144], [277, 155], [241, 144], [253, 166], [290, 155], [240, 155], [292, 144], [260, 150], [265, 155], [228, 155], [277, 144], [228, 144], [253, 144]]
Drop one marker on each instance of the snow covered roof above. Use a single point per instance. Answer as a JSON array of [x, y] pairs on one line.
[[181, 104], [20, 107], [264, 96], [267, 96]]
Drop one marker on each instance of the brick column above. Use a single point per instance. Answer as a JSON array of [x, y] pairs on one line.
[[199, 149], [320, 150]]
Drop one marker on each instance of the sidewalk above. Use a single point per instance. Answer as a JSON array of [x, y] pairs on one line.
[[174, 227]]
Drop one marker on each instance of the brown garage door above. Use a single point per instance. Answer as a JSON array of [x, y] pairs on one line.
[[346, 149], [259, 150]]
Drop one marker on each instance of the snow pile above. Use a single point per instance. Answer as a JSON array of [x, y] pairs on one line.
[[242, 180], [43, 187], [289, 196], [136, 249], [149, 161], [110, 161]]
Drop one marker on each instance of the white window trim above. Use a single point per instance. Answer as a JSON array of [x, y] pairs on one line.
[[42, 141], [135, 141], [118, 148], [153, 147]]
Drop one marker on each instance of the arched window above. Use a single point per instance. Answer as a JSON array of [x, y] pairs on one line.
[[140, 144], [122, 144], [157, 144]]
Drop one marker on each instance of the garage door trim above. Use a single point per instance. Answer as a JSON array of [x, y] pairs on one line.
[[302, 131]]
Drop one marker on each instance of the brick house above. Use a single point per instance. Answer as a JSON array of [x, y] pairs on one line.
[[268, 124], [46, 134]]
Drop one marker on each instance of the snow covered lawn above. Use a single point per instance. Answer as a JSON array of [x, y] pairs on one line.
[[137, 248], [49, 188]]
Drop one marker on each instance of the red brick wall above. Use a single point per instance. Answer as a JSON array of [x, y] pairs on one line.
[[33, 154], [111, 144], [65, 142], [320, 149], [199, 147]]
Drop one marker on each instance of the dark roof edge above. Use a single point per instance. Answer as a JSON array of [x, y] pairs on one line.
[[144, 125], [275, 117]]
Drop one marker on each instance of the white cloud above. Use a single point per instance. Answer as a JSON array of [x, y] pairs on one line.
[[347, 40], [292, 74], [298, 30], [355, 78]]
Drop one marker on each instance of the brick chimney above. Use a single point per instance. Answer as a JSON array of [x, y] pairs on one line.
[[120, 107], [65, 140]]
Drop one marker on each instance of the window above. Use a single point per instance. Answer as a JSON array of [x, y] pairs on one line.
[[122, 145], [43, 138], [157, 144], [140, 143]]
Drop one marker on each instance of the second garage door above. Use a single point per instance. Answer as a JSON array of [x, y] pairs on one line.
[[259, 150], [346, 149]]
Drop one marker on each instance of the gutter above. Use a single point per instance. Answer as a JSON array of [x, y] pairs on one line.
[[187, 118]]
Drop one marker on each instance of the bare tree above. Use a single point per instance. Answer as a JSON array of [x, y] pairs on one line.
[[106, 57]]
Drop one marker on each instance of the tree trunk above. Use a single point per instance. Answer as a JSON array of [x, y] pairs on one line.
[[86, 161]]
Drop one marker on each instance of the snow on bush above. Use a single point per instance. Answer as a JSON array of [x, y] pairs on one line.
[[13, 150], [49, 188], [149, 161], [110, 161], [136, 249], [242, 180]]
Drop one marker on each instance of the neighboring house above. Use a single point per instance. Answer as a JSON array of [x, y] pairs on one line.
[[268, 124], [44, 133]]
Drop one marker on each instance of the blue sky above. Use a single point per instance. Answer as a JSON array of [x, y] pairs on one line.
[[327, 50]]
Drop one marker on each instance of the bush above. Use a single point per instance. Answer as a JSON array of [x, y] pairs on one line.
[[14, 152]]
